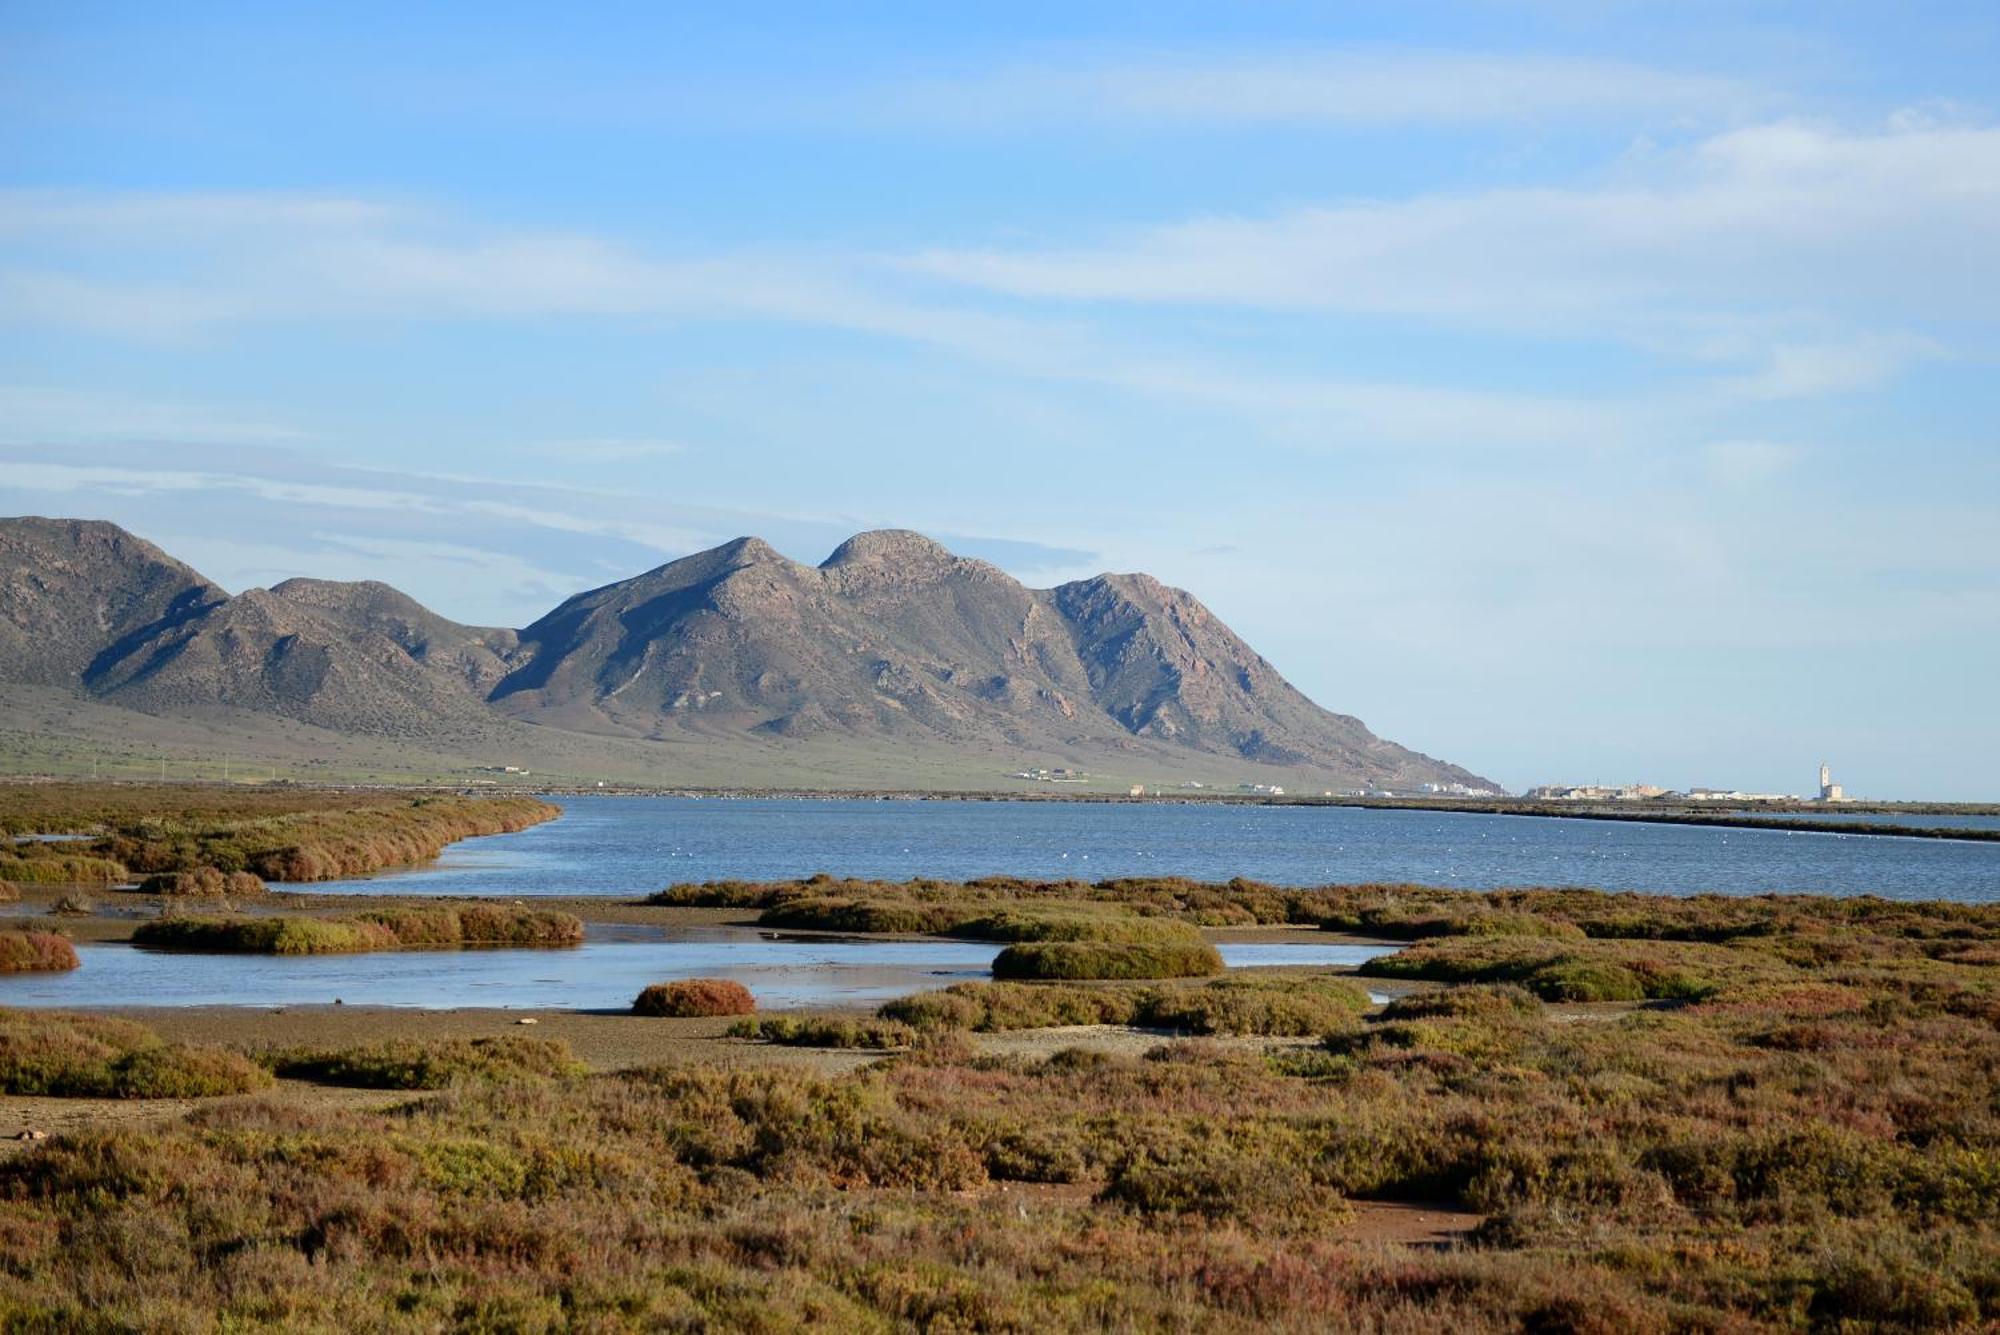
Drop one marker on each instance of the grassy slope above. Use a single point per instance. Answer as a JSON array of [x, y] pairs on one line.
[[48, 732]]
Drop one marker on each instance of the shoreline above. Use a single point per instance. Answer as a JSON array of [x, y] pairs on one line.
[[1803, 817]]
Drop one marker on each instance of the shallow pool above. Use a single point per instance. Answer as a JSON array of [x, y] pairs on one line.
[[783, 972]]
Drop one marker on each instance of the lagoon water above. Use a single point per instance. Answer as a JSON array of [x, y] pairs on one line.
[[601, 974], [633, 845]]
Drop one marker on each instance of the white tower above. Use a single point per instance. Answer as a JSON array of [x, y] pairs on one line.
[[1825, 778]]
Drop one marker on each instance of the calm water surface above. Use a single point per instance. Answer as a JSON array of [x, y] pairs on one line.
[[631, 845], [598, 975]]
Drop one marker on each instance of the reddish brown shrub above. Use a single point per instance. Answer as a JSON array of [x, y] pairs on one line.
[[36, 952], [695, 996]]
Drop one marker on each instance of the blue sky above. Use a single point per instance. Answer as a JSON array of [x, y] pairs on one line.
[[1581, 392]]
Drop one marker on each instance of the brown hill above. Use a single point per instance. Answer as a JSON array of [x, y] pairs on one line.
[[892, 640]]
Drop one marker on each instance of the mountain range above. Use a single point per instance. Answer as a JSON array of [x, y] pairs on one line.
[[893, 645]]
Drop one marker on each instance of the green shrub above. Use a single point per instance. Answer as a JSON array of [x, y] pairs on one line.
[[1037, 1154], [690, 997], [825, 1032], [36, 952], [1277, 1007], [203, 881], [264, 936], [66, 869], [384, 929], [1107, 960], [861, 915], [84, 1056], [410, 1064], [994, 1007], [1577, 971], [1476, 1001]]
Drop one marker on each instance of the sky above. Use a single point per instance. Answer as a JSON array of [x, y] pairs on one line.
[[1579, 392]]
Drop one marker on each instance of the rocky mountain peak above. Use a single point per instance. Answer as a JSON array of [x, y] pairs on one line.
[[891, 549]]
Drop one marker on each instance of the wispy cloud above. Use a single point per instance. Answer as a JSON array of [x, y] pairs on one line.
[[1347, 86], [1890, 224]]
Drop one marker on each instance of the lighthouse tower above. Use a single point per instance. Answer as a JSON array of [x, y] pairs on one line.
[[1829, 791]]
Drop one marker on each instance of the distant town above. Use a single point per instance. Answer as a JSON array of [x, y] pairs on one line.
[[1829, 792]]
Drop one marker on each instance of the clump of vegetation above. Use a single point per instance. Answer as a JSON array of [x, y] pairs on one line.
[[861, 915], [993, 1007], [36, 952], [693, 997], [826, 1032], [209, 881], [1574, 971], [281, 834], [96, 1057], [1107, 959], [1476, 1001], [479, 925], [1284, 1006], [61, 869], [1272, 1005], [385, 929], [73, 906], [9, 893], [264, 936], [409, 1064]]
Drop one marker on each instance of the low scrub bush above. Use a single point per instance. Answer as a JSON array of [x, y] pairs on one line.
[[1107, 960], [204, 881], [36, 952], [993, 1007], [1277, 1006], [64, 869], [479, 925], [861, 915], [692, 997], [409, 1064], [826, 1032], [1477, 1001], [385, 929], [264, 936], [302, 835], [1576, 971], [9, 893], [96, 1057]]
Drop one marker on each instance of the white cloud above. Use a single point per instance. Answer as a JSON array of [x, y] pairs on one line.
[[37, 414], [1786, 215]]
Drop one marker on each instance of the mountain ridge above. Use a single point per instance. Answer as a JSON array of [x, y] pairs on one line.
[[893, 638]]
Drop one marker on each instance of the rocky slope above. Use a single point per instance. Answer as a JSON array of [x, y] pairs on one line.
[[893, 639]]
